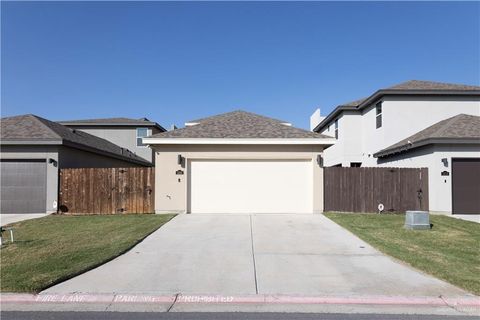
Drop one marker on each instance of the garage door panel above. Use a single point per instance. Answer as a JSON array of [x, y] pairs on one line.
[[23, 187], [245, 186], [466, 186]]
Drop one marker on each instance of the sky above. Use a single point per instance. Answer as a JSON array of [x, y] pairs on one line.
[[176, 61]]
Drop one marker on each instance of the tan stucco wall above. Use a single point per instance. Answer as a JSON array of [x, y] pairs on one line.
[[171, 189]]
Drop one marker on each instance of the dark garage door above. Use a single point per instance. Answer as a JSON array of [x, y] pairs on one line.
[[466, 186], [23, 186]]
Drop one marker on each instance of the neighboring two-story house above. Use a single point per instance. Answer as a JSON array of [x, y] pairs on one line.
[[124, 132], [404, 126]]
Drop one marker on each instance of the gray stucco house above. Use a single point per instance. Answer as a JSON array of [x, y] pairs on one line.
[[33, 149], [125, 132]]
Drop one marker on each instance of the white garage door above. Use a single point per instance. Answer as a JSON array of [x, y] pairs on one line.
[[251, 186]]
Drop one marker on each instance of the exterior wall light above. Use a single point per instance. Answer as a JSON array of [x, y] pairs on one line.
[[181, 160], [53, 162], [445, 162], [320, 160]]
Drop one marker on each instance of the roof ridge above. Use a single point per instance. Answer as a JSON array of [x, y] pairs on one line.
[[41, 121], [100, 119], [237, 111]]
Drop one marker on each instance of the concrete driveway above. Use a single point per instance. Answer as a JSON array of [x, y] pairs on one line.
[[255, 254]]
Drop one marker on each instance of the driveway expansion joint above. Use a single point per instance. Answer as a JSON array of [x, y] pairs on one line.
[[174, 301], [253, 255]]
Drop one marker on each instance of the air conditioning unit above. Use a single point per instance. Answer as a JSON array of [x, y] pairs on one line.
[[417, 220]]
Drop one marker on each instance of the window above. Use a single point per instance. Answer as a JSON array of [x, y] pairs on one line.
[[378, 107], [336, 129], [355, 164], [141, 132]]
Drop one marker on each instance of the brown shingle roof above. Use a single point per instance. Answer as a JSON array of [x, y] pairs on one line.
[[354, 103], [431, 85], [242, 125], [460, 127], [420, 85], [36, 130]]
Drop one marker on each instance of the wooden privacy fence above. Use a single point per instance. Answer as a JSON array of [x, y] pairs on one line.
[[363, 189], [107, 190]]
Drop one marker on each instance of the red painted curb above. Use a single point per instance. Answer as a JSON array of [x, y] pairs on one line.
[[248, 299]]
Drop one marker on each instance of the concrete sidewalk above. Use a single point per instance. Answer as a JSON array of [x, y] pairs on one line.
[[8, 218], [284, 254]]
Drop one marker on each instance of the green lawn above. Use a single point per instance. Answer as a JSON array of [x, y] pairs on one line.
[[55, 248], [449, 251]]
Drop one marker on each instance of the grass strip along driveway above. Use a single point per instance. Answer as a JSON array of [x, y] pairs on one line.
[[52, 249], [449, 251]]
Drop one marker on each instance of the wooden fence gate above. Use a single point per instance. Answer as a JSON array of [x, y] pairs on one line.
[[107, 190], [363, 189]]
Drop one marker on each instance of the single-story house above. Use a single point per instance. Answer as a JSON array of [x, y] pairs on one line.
[[124, 132], [33, 149], [450, 149], [238, 162]]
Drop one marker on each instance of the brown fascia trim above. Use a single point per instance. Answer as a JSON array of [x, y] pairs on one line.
[[393, 92], [110, 124], [406, 147], [106, 153], [31, 142]]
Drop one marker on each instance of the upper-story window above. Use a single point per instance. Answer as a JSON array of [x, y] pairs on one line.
[[141, 133], [336, 129], [378, 107]]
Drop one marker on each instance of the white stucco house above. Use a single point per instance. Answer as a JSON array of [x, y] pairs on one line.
[[406, 126]]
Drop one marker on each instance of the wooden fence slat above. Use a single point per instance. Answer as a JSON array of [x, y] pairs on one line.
[[362, 189], [106, 190]]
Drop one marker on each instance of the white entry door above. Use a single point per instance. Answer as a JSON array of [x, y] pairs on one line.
[[251, 186]]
